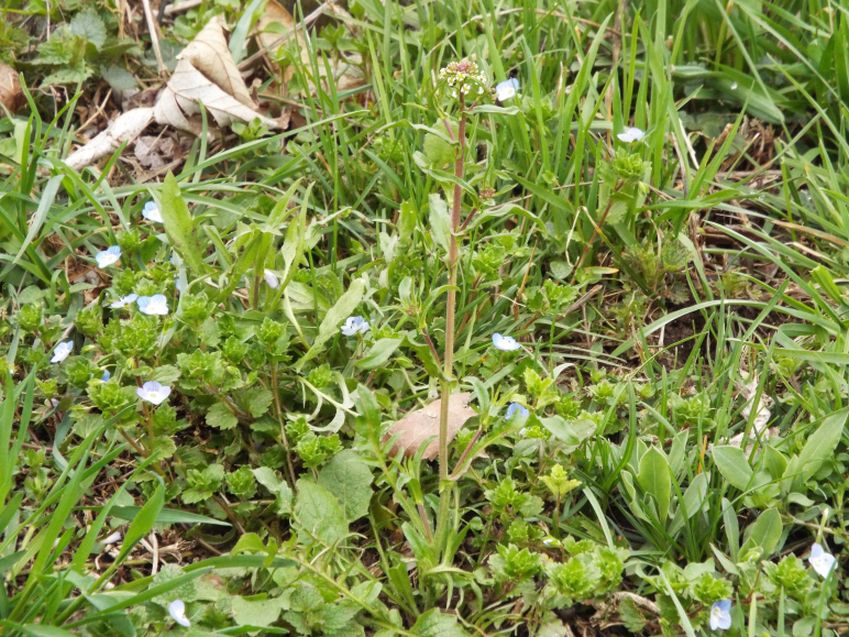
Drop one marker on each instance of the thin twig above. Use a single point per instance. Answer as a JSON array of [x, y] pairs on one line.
[[154, 37], [181, 7]]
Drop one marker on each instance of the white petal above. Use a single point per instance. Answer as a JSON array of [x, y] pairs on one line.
[[112, 538], [507, 89], [123, 301], [177, 610], [271, 279], [156, 305], [821, 561], [62, 351], [151, 212], [631, 134], [505, 343]]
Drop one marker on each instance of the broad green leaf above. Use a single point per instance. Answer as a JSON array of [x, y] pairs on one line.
[[259, 400], [277, 487], [407, 220], [257, 612], [572, 432], [695, 495], [89, 25], [179, 225], [318, 513], [220, 417], [440, 221], [379, 353], [733, 465], [818, 448], [348, 478], [655, 478], [764, 532], [334, 318], [435, 623]]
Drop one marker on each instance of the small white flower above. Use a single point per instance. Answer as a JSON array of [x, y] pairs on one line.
[[156, 305], [108, 257], [153, 392], [631, 134], [112, 538], [821, 560], [177, 610], [507, 89], [271, 279], [720, 615], [123, 301], [355, 325], [505, 343], [62, 351], [151, 212]]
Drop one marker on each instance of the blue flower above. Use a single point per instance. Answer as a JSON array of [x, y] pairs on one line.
[[151, 212], [505, 343], [156, 305], [720, 615], [106, 375], [514, 410], [153, 392], [108, 257], [355, 325]]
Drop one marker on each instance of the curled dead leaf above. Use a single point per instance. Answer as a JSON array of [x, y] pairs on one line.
[[422, 425], [205, 75], [11, 95]]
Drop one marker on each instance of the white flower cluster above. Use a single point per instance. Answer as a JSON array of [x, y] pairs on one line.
[[464, 79]]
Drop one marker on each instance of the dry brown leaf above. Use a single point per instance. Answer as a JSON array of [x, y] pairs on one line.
[[209, 54], [220, 89], [274, 25], [422, 425], [11, 95], [154, 152], [178, 103]]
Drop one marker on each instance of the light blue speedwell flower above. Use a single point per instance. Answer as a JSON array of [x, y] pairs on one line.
[[106, 375], [515, 410], [123, 301], [507, 89], [821, 560], [355, 325], [153, 392], [720, 615], [62, 351], [631, 134], [108, 257], [151, 212], [177, 610], [271, 279], [505, 343], [156, 305]]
